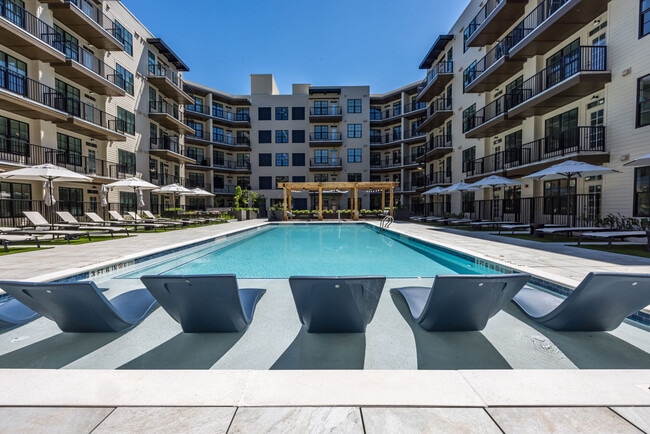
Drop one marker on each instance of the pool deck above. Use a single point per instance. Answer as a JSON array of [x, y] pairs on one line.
[[78, 398]]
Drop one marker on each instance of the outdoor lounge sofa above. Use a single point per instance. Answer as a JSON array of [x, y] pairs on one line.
[[80, 307], [14, 313], [599, 303], [461, 302], [205, 303], [336, 304]]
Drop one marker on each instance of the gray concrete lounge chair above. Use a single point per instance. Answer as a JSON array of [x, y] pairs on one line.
[[336, 304], [600, 303], [207, 303], [461, 302], [13, 313], [80, 307]]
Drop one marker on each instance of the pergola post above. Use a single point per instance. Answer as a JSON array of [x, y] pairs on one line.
[[284, 204], [390, 197], [320, 203], [383, 199], [289, 201], [355, 212]]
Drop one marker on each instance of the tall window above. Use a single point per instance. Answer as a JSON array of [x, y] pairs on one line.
[[13, 190], [469, 120], [354, 177], [321, 132], [69, 150], [354, 106], [321, 177], [469, 155], [354, 155], [644, 18], [125, 37], [264, 160], [71, 200], [13, 73], [642, 192], [127, 120], [264, 113], [321, 108], [559, 197], [513, 152], [217, 134], [281, 113], [124, 78], [281, 136], [321, 156], [244, 161], [70, 43], [643, 101], [243, 114], [354, 131], [561, 131], [282, 159], [126, 162], [72, 103], [217, 110], [14, 137]]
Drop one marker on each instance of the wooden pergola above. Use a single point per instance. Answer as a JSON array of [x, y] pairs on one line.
[[321, 187]]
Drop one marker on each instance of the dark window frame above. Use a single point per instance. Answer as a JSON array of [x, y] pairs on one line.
[[643, 105]]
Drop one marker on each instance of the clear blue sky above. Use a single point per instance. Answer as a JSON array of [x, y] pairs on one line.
[[329, 42]]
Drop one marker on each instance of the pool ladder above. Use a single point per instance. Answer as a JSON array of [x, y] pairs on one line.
[[386, 221]]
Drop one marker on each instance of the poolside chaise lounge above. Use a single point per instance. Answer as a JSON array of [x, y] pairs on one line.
[[599, 303], [461, 302], [13, 313], [150, 217], [164, 223], [72, 221], [80, 307], [17, 238], [40, 226], [205, 303], [118, 218], [513, 227], [96, 219], [336, 304], [570, 230], [610, 236]]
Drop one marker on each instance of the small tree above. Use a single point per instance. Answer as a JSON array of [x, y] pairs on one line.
[[238, 195]]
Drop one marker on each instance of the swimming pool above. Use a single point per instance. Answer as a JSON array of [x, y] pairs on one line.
[[280, 251]]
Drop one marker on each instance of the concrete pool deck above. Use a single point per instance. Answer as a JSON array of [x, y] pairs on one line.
[[598, 382]]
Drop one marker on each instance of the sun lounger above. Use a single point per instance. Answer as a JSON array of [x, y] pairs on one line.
[[569, 230], [461, 302], [13, 313], [96, 219], [205, 304], [118, 218], [416, 218], [7, 239], [600, 303], [164, 223], [431, 219], [610, 236], [484, 223], [460, 221], [513, 227], [336, 304], [43, 227], [71, 221], [81, 307]]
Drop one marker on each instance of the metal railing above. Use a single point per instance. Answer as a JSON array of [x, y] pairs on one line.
[[160, 70], [481, 16], [325, 162], [476, 70], [231, 164], [98, 17], [326, 111], [164, 107], [198, 108], [325, 136], [485, 114], [18, 16], [166, 143], [96, 65], [442, 67]]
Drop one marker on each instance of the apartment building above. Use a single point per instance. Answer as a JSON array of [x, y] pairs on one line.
[[513, 87], [516, 86]]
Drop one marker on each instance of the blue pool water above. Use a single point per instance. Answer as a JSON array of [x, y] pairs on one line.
[[315, 249]]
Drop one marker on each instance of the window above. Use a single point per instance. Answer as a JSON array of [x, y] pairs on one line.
[[217, 110], [298, 113], [298, 159], [354, 106], [282, 159], [198, 154], [558, 199], [642, 192], [15, 190], [644, 18], [244, 182], [13, 73], [264, 160], [264, 113], [126, 120], [243, 138], [281, 113], [298, 136], [397, 109], [354, 177], [513, 152], [297, 179], [244, 161], [217, 180], [14, 137], [643, 101], [397, 133], [124, 36], [561, 132], [71, 200], [320, 177], [354, 131], [243, 114], [321, 108], [218, 159], [72, 104], [354, 155], [264, 136], [281, 136], [266, 183], [375, 113], [70, 44], [126, 162], [469, 120], [279, 179], [321, 156], [375, 136], [69, 150], [469, 155], [124, 78], [321, 132]]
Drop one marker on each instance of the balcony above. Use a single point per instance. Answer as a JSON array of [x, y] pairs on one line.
[[415, 109], [221, 189], [169, 148], [580, 143], [494, 18], [169, 116], [437, 79], [438, 178], [168, 83], [232, 166], [551, 23], [88, 21], [26, 34], [26, 97], [386, 116], [325, 139], [84, 68], [328, 164], [19, 152], [388, 163], [201, 159], [228, 118], [491, 70], [439, 111], [576, 75], [92, 122], [197, 110], [199, 137], [326, 114], [490, 120], [436, 148]]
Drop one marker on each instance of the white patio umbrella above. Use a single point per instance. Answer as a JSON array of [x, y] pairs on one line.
[[173, 189], [135, 184], [459, 186], [433, 191], [49, 174], [103, 195], [197, 192], [643, 160], [567, 170], [495, 181]]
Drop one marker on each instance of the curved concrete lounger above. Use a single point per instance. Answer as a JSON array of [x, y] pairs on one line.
[[600, 303], [336, 304], [461, 302], [205, 303], [80, 307], [13, 313]]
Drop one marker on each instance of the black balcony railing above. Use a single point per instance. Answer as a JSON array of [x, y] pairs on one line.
[[586, 58], [479, 19], [160, 70], [198, 108], [325, 136], [198, 134], [98, 17], [325, 162], [572, 141], [533, 20], [87, 59], [442, 67], [414, 106], [164, 107], [29, 23], [229, 116], [386, 163], [224, 188], [166, 143], [331, 110], [476, 70], [231, 164], [485, 114], [438, 105]]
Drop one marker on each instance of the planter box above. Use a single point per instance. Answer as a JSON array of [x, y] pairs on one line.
[[251, 215], [240, 215]]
